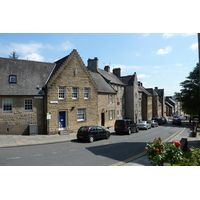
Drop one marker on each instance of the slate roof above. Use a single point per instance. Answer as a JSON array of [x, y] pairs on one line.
[[152, 91], [102, 85], [110, 77], [128, 80], [30, 74], [144, 90]]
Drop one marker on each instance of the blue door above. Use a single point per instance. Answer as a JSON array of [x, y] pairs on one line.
[[62, 120]]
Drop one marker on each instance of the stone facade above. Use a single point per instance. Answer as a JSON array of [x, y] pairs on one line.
[[18, 120], [71, 74]]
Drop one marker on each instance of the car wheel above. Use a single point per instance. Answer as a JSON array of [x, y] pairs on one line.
[[91, 139], [137, 130], [107, 136], [129, 131]]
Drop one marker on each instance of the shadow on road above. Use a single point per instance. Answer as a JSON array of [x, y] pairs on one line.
[[118, 151]]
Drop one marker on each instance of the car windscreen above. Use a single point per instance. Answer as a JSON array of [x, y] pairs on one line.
[[120, 122]]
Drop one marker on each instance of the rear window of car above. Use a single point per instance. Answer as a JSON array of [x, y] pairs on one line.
[[83, 128], [120, 122]]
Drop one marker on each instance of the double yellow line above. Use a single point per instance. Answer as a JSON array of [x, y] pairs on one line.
[[143, 153]]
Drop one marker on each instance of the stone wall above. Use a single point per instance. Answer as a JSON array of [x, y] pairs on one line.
[[17, 121]]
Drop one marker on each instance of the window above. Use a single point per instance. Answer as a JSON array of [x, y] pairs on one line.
[[7, 105], [81, 115], [61, 93], [12, 79], [110, 98], [111, 114], [86, 93], [28, 105], [74, 93]]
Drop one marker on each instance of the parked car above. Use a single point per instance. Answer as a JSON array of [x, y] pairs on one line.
[[160, 122], [153, 123], [91, 133], [176, 121], [144, 125], [164, 120], [126, 126]]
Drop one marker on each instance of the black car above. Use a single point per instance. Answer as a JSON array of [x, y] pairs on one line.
[[91, 133], [158, 120], [176, 121], [126, 126]]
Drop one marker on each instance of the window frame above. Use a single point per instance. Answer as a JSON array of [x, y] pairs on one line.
[[86, 93], [25, 104], [61, 94], [10, 79], [3, 105], [81, 116], [75, 94]]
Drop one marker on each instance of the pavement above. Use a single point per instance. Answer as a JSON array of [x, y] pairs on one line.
[[25, 140]]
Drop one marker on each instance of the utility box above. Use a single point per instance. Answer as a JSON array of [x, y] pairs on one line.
[[32, 129]]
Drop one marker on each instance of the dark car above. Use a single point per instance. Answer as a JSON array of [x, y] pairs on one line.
[[176, 121], [153, 123], [91, 133], [126, 126], [158, 120]]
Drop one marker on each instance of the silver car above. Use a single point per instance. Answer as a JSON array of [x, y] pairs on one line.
[[144, 125]]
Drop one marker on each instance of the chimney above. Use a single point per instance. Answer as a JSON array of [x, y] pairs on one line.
[[117, 72], [140, 83], [93, 64], [107, 68]]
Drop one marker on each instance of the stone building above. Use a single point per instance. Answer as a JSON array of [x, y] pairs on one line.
[[133, 98], [111, 93], [147, 102], [22, 99], [56, 97], [72, 96]]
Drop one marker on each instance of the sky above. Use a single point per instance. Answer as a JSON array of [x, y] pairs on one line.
[[160, 60]]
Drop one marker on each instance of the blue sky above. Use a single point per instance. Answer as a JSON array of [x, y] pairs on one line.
[[159, 59]]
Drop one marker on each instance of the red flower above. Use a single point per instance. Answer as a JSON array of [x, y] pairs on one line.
[[157, 150], [177, 143]]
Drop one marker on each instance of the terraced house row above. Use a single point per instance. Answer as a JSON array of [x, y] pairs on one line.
[[62, 96]]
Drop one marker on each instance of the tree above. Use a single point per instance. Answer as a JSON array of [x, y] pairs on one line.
[[14, 55], [190, 94]]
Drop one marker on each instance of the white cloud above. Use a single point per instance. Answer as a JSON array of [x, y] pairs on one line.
[[194, 46], [141, 76], [164, 51], [65, 46], [34, 56], [169, 35]]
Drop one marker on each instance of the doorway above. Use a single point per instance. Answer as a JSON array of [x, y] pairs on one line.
[[102, 119], [62, 120]]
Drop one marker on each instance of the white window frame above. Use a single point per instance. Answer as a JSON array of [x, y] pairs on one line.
[[81, 114], [111, 115], [28, 104], [86, 93], [74, 93], [110, 98], [62, 93], [4, 102]]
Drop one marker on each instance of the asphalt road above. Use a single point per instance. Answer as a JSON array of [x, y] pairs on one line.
[[73, 153]]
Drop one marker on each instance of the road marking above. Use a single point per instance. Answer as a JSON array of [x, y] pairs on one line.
[[36, 155], [144, 152], [73, 149], [54, 152], [13, 158]]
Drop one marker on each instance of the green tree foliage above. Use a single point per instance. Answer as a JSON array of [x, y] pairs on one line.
[[190, 93], [14, 55]]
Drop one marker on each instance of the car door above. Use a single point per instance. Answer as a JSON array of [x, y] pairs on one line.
[[132, 126], [101, 132], [93, 132]]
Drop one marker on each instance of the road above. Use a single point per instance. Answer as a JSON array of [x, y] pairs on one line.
[[74, 153]]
